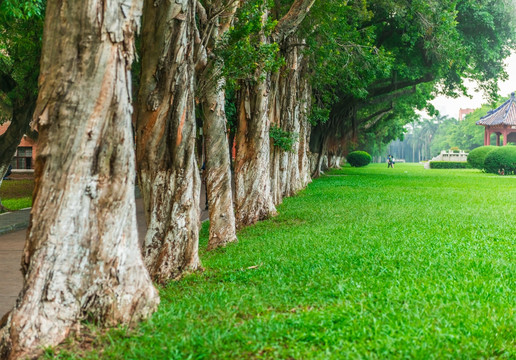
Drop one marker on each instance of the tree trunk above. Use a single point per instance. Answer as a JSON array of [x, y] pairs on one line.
[[296, 101], [218, 171], [166, 130], [254, 200], [304, 134], [285, 113], [9, 141], [217, 164], [275, 111], [82, 259], [252, 179]]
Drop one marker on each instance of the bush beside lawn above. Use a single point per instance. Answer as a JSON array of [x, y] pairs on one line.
[[358, 158], [449, 165], [477, 156], [501, 160]]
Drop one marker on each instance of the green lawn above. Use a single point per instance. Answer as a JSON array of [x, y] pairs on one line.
[[366, 263], [16, 194]]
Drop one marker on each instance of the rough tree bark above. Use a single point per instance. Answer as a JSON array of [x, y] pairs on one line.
[[275, 112], [289, 111], [304, 133], [332, 139], [254, 200], [165, 130], [211, 88], [82, 259]]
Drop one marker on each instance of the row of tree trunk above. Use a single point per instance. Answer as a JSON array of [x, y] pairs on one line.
[[82, 260]]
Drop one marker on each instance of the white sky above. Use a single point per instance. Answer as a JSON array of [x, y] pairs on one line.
[[449, 106]]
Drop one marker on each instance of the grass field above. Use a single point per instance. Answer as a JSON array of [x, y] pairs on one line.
[[370, 263], [16, 194]]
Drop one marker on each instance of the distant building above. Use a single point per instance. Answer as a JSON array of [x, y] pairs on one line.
[[464, 112], [501, 122], [25, 153]]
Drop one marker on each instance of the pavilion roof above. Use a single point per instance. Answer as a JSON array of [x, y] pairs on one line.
[[505, 114]]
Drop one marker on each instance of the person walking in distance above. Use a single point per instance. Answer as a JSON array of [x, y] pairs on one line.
[[390, 161]]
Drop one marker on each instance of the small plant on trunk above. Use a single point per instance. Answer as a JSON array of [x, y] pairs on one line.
[[282, 139]]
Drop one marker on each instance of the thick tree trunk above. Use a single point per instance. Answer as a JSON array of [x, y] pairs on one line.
[[166, 130], [218, 171], [82, 259], [254, 200], [334, 137], [252, 178], [304, 133], [285, 114], [217, 165], [275, 112], [294, 106]]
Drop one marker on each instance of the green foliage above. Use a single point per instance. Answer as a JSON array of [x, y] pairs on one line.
[[243, 51], [21, 9], [463, 134], [282, 139], [388, 58], [358, 158], [476, 157], [318, 115], [369, 263], [487, 33], [502, 160], [426, 138], [21, 30], [449, 165], [345, 58], [231, 109]]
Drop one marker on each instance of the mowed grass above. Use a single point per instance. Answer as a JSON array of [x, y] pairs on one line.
[[16, 194], [370, 263]]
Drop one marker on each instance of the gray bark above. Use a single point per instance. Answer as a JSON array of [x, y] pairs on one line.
[[304, 133], [252, 179], [217, 164], [82, 259], [218, 172], [166, 130], [254, 200], [253, 197], [289, 111]]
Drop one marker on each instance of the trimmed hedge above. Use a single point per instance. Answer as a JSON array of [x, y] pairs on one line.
[[358, 158], [502, 159], [477, 156], [449, 165]]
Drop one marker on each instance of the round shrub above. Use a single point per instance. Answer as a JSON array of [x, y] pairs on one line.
[[477, 156], [358, 158], [501, 160]]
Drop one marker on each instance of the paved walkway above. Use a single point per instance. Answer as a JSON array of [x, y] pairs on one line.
[[12, 239], [13, 221]]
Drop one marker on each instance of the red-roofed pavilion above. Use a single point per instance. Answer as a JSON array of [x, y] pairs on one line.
[[500, 121]]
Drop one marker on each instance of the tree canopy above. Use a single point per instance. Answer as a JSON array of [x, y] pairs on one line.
[[376, 62], [21, 30]]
